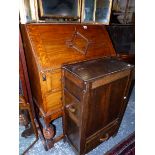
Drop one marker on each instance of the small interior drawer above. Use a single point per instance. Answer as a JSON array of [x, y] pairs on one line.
[[100, 137]]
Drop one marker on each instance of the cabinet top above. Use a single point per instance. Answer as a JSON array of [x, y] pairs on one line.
[[92, 69]]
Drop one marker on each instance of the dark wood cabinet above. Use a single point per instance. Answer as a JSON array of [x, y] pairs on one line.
[[95, 96]]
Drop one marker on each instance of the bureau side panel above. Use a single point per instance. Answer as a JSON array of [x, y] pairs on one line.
[[33, 71]]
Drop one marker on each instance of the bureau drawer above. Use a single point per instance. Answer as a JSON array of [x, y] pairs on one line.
[[53, 101], [100, 137], [72, 107], [54, 81]]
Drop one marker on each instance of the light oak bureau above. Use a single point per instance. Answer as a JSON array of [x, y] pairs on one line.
[[48, 47]]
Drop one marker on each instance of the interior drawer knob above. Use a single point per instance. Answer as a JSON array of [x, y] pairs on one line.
[[104, 138], [72, 109]]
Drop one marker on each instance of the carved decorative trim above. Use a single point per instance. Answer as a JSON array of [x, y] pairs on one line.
[[72, 42]]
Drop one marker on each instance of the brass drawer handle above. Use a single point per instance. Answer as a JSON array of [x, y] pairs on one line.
[[104, 138], [71, 109]]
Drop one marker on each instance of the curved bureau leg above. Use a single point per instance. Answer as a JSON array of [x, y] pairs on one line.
[[47, 131], [41, 135], [45, 135]]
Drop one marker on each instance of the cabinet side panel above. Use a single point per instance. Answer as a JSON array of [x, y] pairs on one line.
[[73, 132], [32, 69]]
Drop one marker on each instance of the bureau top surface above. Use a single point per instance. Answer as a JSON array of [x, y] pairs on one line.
[[50, 43], [92, 69]]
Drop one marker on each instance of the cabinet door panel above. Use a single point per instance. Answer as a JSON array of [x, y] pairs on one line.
[[104, 105]]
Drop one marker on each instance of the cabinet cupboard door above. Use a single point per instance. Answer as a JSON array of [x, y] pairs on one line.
[[105, 105]]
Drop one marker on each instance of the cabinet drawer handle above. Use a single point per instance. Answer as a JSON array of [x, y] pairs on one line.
[[71, 109], [104, 138]]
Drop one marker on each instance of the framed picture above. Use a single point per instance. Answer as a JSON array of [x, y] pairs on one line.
[[96, 11], [123, 12], [27, 11], [68, 9], [103, 10]]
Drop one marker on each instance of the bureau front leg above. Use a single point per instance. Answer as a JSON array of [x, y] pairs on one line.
[[48, 130], [46, 133]]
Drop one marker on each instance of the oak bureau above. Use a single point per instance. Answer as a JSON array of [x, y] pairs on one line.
[[48, 47]]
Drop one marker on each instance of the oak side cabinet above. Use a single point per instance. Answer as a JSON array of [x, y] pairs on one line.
[[95, 94]]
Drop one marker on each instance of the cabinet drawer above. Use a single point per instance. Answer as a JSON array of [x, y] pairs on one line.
[[72, 107], [100, 137]]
